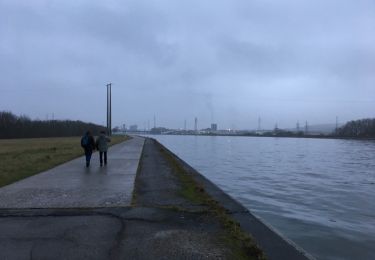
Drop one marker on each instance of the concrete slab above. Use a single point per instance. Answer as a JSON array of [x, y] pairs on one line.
[[65, 237], [110, 233], [72, 185]]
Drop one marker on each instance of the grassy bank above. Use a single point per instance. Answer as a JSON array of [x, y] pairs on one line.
[[21, 158]]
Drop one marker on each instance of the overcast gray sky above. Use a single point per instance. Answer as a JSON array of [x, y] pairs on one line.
[[227, 62]]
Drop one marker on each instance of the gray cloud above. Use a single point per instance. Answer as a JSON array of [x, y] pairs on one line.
[[223, 61]]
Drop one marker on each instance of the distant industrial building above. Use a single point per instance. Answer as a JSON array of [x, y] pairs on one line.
[[159, 130], [213, 127], [133, 128]]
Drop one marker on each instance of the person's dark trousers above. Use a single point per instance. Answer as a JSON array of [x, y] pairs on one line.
[[101, 158], [88, 154]]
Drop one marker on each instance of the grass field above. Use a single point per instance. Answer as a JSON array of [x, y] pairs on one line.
[[21, 158]]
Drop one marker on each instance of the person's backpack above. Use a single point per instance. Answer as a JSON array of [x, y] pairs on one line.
[[85, 141]]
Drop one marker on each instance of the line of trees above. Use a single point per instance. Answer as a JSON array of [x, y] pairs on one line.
[[12, 126], [364, 128]]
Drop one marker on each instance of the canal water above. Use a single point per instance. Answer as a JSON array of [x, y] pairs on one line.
[[319, 193]]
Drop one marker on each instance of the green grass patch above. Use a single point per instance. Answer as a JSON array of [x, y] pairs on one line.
[[21, 158], [242, 245]]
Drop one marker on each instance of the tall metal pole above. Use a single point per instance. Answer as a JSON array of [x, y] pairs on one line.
[[109, 109]]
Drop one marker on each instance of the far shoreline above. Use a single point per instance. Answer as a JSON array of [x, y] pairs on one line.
[[264, 136]]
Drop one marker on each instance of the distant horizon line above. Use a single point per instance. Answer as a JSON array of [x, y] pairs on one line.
[[302, 125]]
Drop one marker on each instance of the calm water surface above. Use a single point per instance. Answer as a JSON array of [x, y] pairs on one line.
[[318, 193]]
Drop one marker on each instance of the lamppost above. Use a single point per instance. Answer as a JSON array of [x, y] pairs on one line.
[[109, 109]]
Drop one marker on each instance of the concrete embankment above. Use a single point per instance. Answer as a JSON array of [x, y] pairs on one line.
[[173, 213]]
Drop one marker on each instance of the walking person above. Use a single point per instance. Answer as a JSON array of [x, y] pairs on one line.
[[102, 146], [88, 144]]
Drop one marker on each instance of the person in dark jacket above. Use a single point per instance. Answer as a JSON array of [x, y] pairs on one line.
[[88, 144], [102, 146]]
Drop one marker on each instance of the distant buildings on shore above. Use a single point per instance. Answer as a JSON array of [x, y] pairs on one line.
[[306, 130], [214, 130]]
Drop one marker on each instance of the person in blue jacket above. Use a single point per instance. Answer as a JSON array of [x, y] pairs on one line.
[[88, 144]]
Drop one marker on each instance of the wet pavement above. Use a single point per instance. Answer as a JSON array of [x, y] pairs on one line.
[[72, 185], [109, 233]]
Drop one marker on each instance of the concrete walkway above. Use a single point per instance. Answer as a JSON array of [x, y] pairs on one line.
[[72, 185]]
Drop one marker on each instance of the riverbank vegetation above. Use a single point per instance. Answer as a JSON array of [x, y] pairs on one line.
[[364, 128], [21, 158], [12, 126]]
